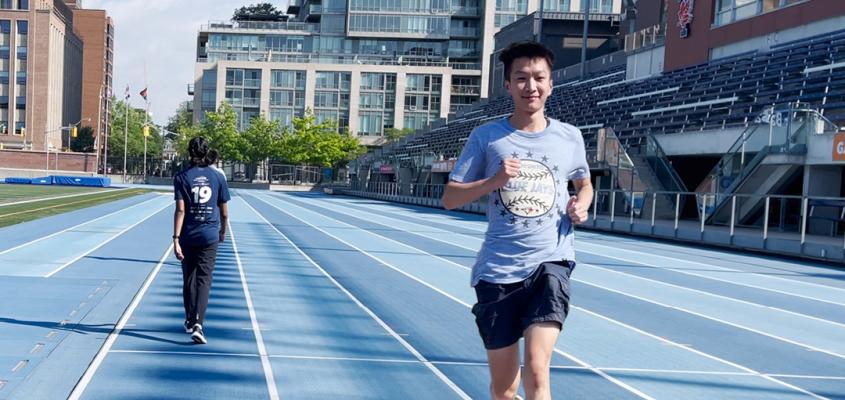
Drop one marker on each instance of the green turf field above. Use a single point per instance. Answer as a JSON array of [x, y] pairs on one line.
[[14, 193], [44, 205]]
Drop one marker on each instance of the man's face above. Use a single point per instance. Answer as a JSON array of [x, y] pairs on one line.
[[530, 83]]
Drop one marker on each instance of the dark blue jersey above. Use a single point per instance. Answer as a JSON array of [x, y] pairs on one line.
[[203, 190]]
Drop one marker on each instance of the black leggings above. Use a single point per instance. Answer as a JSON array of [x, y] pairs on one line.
[[197, 267]]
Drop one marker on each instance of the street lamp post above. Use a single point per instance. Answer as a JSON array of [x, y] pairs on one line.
[[125, 134]]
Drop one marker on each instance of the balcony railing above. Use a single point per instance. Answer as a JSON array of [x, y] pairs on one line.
[[466, 89]]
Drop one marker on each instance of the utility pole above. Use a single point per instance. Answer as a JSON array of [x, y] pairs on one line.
[[125, 135], [584, 37]]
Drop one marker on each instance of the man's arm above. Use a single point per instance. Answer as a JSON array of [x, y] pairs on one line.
[[458, 194], [579, 204]]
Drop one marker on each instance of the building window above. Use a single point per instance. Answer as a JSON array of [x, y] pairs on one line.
[[728, 11], [23, 4]]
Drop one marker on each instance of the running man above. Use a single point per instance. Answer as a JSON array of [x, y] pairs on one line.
[[199, 224], [521, 274]]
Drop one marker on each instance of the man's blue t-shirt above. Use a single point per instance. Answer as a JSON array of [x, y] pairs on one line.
[[527, 220], [202, 189]]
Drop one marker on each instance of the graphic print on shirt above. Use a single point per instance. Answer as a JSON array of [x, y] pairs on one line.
[[201, 194], [532, 194]]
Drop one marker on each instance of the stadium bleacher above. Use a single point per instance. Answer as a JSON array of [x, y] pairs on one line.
[[724, 93]]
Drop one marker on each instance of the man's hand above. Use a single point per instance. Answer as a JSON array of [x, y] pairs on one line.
[[177, 249], [222, 235], [577, 213], [509, 169]]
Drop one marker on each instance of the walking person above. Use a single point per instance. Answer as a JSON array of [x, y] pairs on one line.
[[199, 225], [521, 274]]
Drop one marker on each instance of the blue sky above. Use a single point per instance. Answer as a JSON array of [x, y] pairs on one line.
[[162, 35]]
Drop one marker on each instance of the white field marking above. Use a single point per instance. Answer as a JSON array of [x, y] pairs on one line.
[[56, 206], [259, 338], [369, 312], [663, 340], [603, 255], [662, 246], [61, 197], [706, 293], [385, 263], [420, 252], [706, 355], [443, 217], [73, 227], [103, 243], [713, 319], [683, 271], [104, 350], [723, 268]]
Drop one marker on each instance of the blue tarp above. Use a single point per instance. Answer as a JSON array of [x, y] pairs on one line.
[[63, 180], [46, 180], [22, 181], [82, 181]]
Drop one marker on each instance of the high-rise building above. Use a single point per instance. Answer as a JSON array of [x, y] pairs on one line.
[[41, 79], [96, 30], [45, 83], [367, 64]]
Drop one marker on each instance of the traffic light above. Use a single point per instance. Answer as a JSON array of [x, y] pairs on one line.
[[73, 131], [146, 130]]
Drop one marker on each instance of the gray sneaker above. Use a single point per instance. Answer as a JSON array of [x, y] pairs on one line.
[[188, 327], [198, 336]]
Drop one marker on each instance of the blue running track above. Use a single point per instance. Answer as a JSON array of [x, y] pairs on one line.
[[318, 297]]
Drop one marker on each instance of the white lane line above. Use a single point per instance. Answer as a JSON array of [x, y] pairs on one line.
[[61, 197], [688, 348], [314, 203], [685, 272], [759, 332], [723, 268], [706, 293], [385, 263], [75, 226], [259, 338], [104, 350], [706, 355], [103, 243], [369, 312]]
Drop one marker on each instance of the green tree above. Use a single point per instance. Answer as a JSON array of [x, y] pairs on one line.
[[318, 144], [134, 120], [183, 118], [258, 12], [221, 130], [260, 141], [84, 140], [394, 134]]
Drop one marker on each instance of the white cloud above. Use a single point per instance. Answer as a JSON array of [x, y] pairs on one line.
[[161, 34]]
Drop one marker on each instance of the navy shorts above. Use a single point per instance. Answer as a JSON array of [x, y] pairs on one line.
[[504, 311]]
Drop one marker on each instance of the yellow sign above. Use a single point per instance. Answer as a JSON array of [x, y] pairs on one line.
[[839, 147], [146, 131]]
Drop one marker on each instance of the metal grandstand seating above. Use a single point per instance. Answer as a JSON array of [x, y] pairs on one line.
[[725, 93]]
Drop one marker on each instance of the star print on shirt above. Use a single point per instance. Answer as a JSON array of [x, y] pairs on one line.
[[513, 220], [530, 154], [545, 159], [525, 223], [515, 155], [539, 222], [503, 213], [555, 169]]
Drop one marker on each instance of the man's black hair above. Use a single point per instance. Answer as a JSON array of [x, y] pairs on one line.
[[529, 49]]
